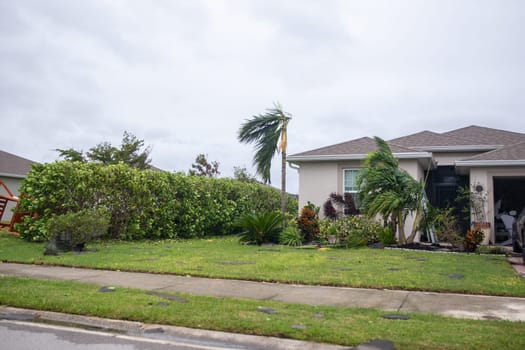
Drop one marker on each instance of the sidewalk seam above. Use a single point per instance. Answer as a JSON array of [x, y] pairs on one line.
[[403, 302]]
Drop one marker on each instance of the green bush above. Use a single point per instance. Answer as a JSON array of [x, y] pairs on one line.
[[291, 236], [141, 204], [72, 231], [261, 228], [387, 236], [357, 230]]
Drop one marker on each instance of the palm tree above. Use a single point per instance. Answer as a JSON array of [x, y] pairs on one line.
[[387, 190], [269, 133]]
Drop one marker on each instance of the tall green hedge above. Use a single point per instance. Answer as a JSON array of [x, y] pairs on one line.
[[141, 203]]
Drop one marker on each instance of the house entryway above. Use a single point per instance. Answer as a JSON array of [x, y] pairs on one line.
[[509, 205]]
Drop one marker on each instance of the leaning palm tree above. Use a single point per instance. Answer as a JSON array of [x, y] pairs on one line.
[[387, 190], [269, 133]]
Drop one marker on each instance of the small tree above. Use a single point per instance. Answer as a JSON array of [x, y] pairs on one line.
[[202, 167], [241, 174], [131, 152]]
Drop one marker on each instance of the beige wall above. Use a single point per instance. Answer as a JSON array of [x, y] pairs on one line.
[[318, 179], [13, 185], [316, 182], [448, 158]]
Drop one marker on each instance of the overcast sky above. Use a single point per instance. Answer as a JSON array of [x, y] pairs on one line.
[[183, 75]]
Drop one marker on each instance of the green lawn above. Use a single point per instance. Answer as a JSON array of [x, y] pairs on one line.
[[226, 258], [339, 325]]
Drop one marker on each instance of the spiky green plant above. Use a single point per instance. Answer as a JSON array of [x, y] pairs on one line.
[[260, 228]]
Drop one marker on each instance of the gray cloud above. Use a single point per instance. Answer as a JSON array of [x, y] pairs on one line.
[[183, 75]]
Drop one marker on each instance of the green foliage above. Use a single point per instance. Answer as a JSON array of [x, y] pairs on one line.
[[242, 174], [353, 231], [445, 224], [72, 230], [131, 152], [268, 132], [308, 223], [202, 167], [141, 204], [360, 229], [387, 190], [291, 236], [387, 236], [260, 228]]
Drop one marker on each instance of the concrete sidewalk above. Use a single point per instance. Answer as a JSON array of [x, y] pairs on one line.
[[446, 304]]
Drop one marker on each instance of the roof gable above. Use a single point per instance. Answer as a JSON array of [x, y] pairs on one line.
[[11, 164]]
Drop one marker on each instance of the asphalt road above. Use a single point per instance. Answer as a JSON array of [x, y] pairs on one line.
[[17, 335]]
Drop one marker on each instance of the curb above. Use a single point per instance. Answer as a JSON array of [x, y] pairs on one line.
[[157, 331]]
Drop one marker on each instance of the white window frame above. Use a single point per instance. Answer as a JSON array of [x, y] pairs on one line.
[[355, 191]]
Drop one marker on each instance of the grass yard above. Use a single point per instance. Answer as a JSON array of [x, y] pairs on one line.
[[226, 258], [338, 325]]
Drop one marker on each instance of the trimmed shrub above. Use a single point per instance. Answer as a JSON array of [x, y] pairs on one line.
[[72, 231], [141, 204]]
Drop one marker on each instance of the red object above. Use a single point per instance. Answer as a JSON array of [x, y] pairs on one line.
[[4, 200]]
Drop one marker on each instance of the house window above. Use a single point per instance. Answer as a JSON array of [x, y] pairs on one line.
[[350, 184]]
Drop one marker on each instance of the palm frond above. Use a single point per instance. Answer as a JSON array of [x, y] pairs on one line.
[[265, 131]]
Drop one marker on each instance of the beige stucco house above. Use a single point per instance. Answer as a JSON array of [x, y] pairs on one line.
[[490, 161], [12, 170]]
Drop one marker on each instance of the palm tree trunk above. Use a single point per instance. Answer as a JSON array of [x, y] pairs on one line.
[[283, 185], [401, 227]]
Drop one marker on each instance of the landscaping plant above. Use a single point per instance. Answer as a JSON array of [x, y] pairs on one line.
[[141, 203], [260, 228], [72, 231], [291, 236], [473, 238], [308, 223]]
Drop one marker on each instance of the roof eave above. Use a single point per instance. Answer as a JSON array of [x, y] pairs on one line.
[[16, 176], [336, 157], [489, 163]]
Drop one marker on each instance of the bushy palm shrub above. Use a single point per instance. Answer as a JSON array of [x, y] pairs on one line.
[[260, 228]]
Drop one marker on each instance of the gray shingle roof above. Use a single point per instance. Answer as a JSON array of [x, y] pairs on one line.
[[497, 144], [512, 152], [363, 145], [14, 165], [426, 138], [478, 135]]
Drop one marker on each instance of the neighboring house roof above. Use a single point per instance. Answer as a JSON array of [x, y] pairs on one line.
[[496, 145], [14, 166]]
